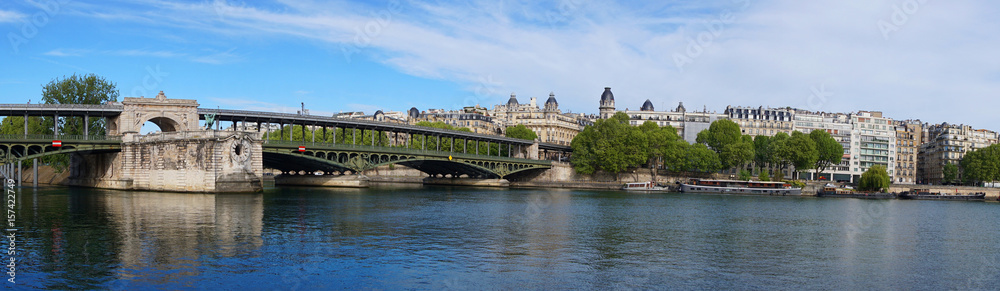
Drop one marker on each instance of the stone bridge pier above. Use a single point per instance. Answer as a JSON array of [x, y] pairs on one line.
[[187, 161], [182, 158]]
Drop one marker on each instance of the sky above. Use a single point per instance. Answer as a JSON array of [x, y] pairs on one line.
[[911, 59]]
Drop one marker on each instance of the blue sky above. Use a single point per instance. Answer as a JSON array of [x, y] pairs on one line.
[[932, 60]]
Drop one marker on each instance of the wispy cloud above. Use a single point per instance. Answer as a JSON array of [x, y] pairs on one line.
[[218, 58], [742, 52], [61, 52], [146, 53], [10, 16], [208, 58]]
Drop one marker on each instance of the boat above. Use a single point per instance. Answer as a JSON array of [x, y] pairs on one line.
[[644, 186], [926, 194], [739, 187], [847, 192]]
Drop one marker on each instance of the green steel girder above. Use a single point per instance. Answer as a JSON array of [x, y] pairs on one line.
[[19, 147], [360, 158]]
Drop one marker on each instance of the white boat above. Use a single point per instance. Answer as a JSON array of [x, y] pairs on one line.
[[644, 186], [739, 187]]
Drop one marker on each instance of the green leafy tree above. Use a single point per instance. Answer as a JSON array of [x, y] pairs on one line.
[[829, 151], [779, 154], [736, 154], [800, 151], [520, 131], [83, 89], [981, 165], [763, 155], [950, 172], [875, 179], [763, 176], [610, 145], [721, 133], [661, 145], [702, 159], [745, 175]]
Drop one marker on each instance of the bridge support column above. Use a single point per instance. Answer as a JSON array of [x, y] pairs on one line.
[[34, 178], [19, 173], [86, 127]]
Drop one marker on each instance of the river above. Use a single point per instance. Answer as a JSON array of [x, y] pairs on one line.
[[424, 237]]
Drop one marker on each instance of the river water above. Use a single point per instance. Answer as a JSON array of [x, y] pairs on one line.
[[478, 238]]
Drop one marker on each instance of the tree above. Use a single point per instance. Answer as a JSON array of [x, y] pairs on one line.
[[778, 151], [950, 173], [875, 179], [660, 144], [981, 165], [702, 159], [84, 89], [763, 155], [745, 175], [800, 151], [520, 131], [721, 133], [736, 154], [610, 145], [829, 151], [763, 176]]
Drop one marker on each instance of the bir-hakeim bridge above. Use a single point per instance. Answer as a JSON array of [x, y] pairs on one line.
[[189, 158]]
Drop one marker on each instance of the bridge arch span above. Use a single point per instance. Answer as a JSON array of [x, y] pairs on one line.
[[165, 123]]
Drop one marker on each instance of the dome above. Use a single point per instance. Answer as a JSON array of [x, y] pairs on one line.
[[414, 113], [512, 101], [648, 106], [607, 96], [552, 100], [680, 108]]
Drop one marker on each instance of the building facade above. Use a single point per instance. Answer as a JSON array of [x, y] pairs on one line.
[[909, 137], [874, 143], [839, 126], [761, 121], [948, 144], [549, 123]]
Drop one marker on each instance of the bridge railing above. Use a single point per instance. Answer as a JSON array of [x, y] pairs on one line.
[[61, 137], [400, 150]]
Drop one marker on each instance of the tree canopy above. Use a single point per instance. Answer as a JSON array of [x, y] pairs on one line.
[[875, 179], [83, 89], [950, 173], [981, 165], [800, 151], [829, 151], [520, 131], [721, 133]]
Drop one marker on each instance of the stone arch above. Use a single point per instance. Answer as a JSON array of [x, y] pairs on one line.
[[166, 124]]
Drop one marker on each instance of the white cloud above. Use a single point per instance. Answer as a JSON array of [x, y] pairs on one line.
[[937, 66], [10, 16]]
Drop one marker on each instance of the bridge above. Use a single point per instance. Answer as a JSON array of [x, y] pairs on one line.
[[185, 157]]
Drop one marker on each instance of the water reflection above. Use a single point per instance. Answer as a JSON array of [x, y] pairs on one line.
[[165, 237]]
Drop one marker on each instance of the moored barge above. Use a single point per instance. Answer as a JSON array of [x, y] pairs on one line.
[[739, 187]]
